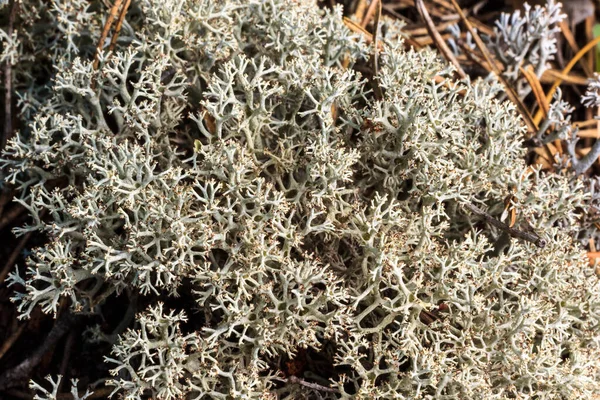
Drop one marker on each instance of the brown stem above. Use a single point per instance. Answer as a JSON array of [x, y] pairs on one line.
[[109, 21], [8, 128], [530, 237], [13, 256], [15, 375], [113, 41], [378, 92], [12, 214], [12, 339]]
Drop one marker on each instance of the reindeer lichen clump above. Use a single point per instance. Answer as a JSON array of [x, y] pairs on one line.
[[228, 152]]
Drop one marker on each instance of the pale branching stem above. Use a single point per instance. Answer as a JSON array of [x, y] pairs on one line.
[[315, 386]]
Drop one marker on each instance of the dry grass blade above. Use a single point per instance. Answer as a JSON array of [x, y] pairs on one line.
[[439, 41], [537, 89], [565, 71], [531, 125]]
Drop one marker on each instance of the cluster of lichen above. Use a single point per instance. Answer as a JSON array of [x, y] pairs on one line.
[[230, 148]]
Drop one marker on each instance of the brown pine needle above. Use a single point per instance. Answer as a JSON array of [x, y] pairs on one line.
[[589, 35], [566, 31], [537, 89], [361, 8], [565, 71], [356, 28], [543, 163], [113, 41], [540, 97], [550, 75], [439, 41], [585, 124], [531, 125], [370, 13], [589, 133], [109, 21]]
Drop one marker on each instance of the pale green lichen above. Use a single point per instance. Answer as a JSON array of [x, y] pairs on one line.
[[226, 153]]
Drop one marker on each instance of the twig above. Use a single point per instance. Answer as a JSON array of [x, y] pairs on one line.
[[13, 256], [11, 215], [64, 364], [5, 197], [109, 21], [439, 41], [315, 386], [113, 41], [530, 237], [12, 377], [11, 340], [20, 394], [378, 92], [8, 128]]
